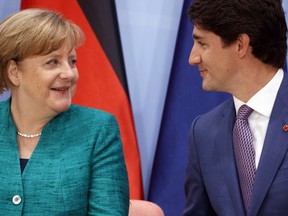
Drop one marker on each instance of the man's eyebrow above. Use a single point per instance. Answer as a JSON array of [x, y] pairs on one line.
[[197, 37]]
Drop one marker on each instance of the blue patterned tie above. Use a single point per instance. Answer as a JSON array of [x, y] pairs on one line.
[[244, 153]]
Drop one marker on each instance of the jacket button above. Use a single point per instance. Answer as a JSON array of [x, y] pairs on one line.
[[16, 199]]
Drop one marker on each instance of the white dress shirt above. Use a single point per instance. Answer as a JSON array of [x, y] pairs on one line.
[[262, 103]]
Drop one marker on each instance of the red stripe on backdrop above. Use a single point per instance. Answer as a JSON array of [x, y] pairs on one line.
[[99, 86]]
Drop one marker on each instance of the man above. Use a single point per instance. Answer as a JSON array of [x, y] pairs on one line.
[[240, 48]]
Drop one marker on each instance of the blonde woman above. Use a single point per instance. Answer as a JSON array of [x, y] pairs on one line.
[[55, 158]]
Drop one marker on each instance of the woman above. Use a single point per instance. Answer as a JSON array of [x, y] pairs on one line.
[[55, 158]]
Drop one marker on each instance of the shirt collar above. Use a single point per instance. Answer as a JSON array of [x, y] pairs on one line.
[[263, 101]]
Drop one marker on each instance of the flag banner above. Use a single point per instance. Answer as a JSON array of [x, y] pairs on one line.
[[185, 100], [102, 82]]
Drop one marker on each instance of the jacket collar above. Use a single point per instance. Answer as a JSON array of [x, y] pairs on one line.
[[274, 149], [224, 143]]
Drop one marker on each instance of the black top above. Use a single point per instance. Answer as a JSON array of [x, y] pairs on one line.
[[23, 163]]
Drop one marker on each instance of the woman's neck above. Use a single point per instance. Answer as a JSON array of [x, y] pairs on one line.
[[27, 120]]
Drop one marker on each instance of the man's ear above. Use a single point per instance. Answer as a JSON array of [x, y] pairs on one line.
[[243, 44], [13, 72]]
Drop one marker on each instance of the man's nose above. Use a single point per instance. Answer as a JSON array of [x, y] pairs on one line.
[[194, 57]]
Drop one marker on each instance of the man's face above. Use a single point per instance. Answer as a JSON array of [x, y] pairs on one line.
[[217, 64]]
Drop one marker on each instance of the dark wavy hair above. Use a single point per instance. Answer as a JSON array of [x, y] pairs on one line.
[[262, 20]]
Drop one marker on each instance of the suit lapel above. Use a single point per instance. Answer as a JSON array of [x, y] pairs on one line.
[[224, 143], [274, 149]]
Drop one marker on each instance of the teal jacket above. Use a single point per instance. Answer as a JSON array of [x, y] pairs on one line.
[[77, 168]]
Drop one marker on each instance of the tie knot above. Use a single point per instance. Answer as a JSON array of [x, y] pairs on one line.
[[244, 112]]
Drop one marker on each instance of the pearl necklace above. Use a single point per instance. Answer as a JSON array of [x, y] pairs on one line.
[[28, 135]]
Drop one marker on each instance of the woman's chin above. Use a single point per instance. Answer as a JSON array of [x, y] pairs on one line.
[[61, 106]]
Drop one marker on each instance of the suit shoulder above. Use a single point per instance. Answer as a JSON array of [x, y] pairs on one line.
[[220, 108], [87, 110], [217, 112], [86, 115]]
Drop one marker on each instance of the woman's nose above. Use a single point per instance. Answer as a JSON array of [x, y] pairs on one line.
[[67, 72]]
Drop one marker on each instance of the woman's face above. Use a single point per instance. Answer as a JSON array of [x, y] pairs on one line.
[[48, 82]]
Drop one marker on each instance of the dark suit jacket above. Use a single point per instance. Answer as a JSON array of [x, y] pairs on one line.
[[212, 186], [76, 169]]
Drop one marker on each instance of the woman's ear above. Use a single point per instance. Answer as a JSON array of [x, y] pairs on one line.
[[243, 44], [13, 72]]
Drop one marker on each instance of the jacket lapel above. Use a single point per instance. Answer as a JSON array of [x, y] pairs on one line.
[[224, 143], [274, 149]]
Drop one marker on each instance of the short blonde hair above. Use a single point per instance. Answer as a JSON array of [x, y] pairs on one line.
[[34, 32]]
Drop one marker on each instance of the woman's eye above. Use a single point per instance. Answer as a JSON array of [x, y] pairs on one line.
[[53, 62], [72, 62]]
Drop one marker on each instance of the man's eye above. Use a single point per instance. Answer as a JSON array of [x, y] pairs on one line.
[[201, 43]]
